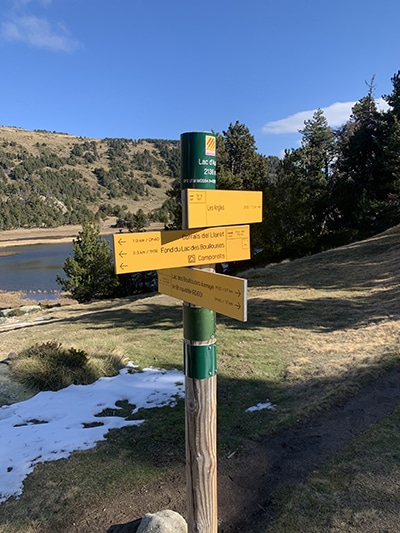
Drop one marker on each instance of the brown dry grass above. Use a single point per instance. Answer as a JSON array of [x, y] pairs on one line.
[[340, 307]]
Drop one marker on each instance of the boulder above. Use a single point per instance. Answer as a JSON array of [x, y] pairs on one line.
[[163, 522]]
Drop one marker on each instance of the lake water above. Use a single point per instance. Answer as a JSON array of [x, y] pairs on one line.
[[33, 269]]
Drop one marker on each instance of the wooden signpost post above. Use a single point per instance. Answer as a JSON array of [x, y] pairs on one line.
[[211, 235]]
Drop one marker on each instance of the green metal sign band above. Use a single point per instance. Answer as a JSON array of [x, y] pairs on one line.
[[198, 323], [198, 160], [198, 171], [200, 361]]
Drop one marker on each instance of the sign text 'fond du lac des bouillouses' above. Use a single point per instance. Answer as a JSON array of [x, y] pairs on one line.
[[139, 252]]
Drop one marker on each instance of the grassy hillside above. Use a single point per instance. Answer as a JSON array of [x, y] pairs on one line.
[[50, 179], [320, 329]]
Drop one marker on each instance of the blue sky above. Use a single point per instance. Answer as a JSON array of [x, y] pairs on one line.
[[157, 68]]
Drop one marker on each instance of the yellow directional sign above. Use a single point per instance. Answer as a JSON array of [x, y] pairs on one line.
[[223, 294], [207, 208], [154, 250]]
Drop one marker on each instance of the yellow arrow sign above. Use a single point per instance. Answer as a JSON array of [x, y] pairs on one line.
[[223, 294], [154, 250], [207, 208]]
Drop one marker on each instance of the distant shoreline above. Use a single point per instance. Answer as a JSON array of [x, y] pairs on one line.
[[32, 236], [31, 241]]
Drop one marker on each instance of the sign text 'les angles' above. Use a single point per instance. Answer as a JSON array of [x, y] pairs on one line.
[[155, 250], [223, 294], [207, 208]]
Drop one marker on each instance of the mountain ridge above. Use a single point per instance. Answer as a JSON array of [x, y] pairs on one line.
[[50, 179]]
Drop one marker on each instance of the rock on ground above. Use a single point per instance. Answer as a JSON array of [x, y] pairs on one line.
[[163, 522]]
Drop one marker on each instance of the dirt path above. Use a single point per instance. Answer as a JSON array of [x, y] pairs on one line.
[[294, 454], [247, 482]]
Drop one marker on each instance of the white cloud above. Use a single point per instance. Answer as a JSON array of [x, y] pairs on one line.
[[35, 31], [38, 32], [382, 104], [336, 115]]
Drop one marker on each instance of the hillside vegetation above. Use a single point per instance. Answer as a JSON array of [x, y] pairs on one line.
[[52, 179]]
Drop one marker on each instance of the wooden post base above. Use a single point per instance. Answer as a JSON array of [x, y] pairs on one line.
[[201, 454]]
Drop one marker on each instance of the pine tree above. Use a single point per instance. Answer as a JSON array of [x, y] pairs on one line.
[[318, 148], [363, 178], [90, 272], [238, 163]]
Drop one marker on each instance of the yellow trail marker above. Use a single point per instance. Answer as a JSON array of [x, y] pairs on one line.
[[207, 208], [226, 295], [154, 250]]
